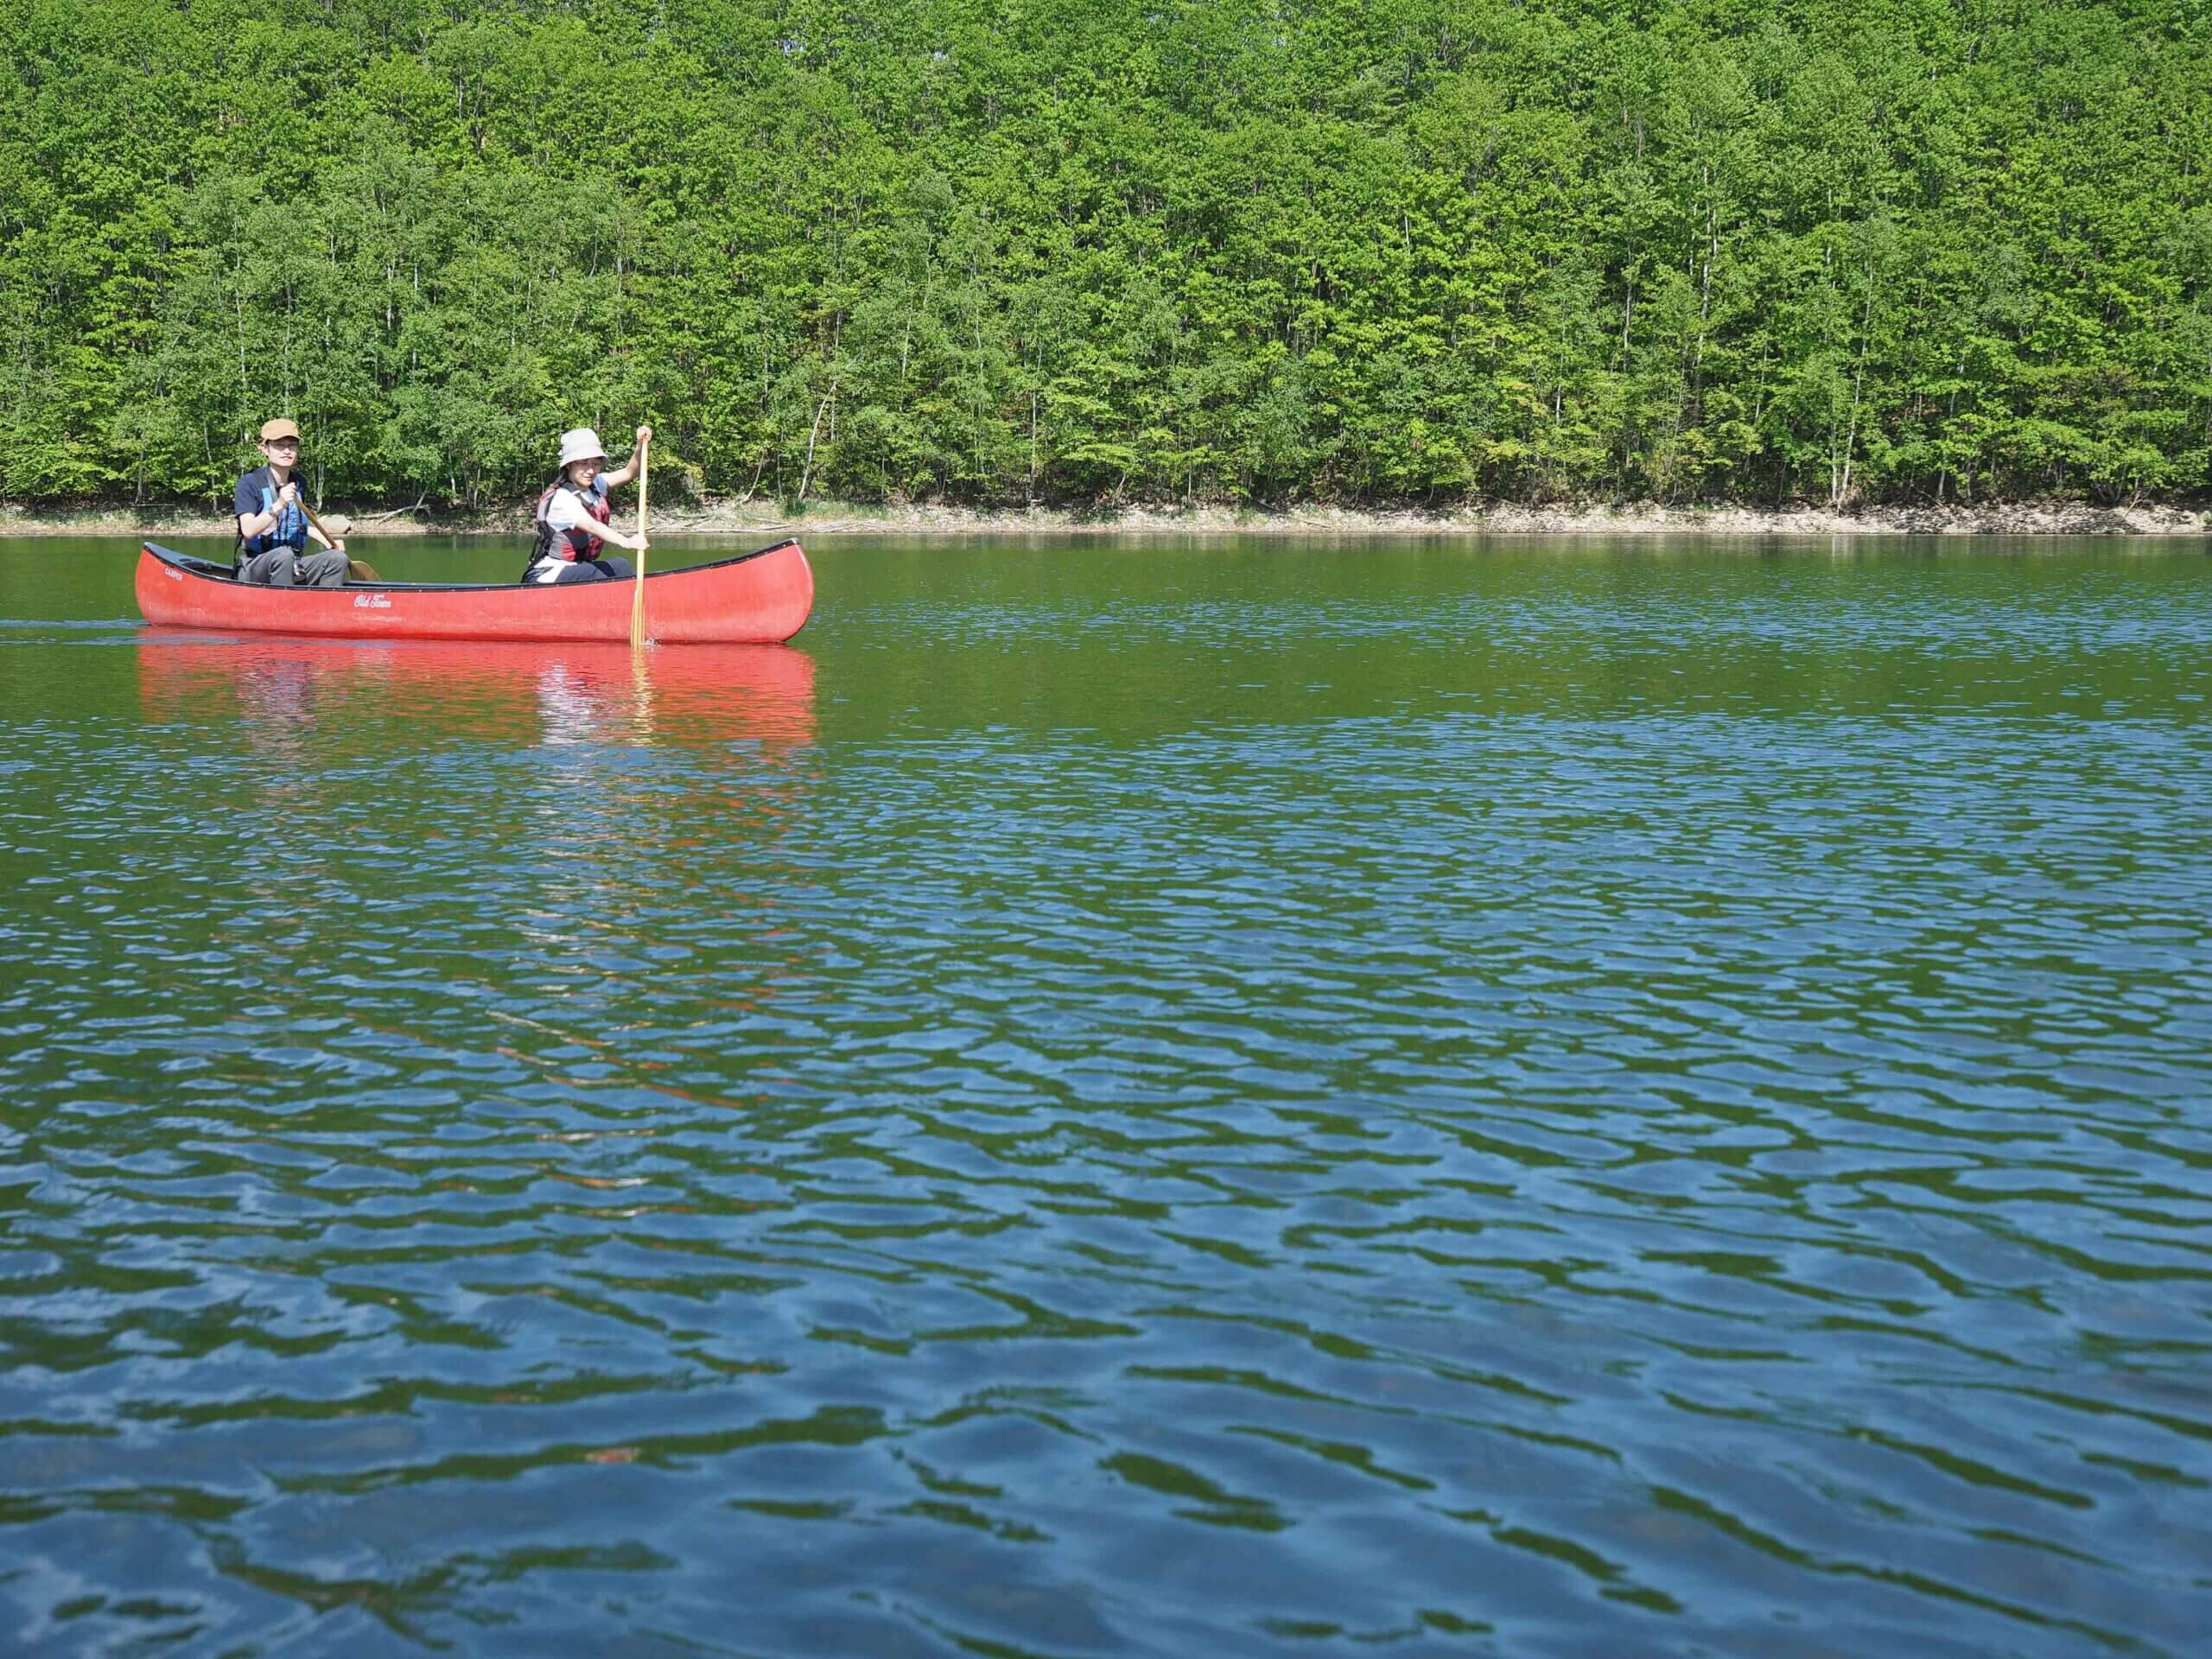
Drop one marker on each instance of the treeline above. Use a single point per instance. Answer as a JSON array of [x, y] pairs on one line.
[[1002, 252]]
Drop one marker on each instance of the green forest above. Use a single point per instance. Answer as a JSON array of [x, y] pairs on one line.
[[1095, 253]]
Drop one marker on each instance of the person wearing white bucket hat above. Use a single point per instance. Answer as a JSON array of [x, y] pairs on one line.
[[574, 518]]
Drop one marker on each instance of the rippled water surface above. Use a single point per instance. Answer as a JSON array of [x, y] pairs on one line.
[[1196, 1098]]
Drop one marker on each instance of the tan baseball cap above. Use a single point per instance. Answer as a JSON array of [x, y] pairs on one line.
[[279, 427]]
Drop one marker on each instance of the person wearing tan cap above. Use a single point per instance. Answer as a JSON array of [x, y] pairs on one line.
[[274, 529]]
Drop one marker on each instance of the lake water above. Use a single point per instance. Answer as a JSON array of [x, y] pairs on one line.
[[1570, 1098]]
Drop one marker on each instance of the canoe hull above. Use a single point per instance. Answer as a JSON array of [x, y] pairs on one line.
[[762, 598]]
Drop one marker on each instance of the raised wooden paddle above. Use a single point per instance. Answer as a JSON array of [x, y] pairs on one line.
[[638, 593]]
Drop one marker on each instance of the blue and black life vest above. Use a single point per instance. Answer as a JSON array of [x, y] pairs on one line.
[[290, 529]]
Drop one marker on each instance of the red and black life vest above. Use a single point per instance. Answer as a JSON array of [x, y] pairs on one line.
[[569, 545]]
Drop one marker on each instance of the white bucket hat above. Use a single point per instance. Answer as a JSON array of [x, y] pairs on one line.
[[580, 444]]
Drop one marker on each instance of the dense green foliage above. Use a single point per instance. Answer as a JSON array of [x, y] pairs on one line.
[[1096, 251]]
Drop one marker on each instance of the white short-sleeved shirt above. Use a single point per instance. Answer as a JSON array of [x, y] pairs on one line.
[[566, 511]]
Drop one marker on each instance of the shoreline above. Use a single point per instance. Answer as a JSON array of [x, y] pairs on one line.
[[2029, 518]]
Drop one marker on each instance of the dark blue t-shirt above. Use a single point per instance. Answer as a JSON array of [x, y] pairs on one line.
[[256, 494]]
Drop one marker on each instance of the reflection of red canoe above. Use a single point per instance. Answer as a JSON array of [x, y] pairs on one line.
[[755, 598], [525, 692]]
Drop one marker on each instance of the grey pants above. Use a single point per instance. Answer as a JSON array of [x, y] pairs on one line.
[[280, 567], [597, 570]]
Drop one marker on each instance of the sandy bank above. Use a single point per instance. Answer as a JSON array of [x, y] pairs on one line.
[[828, 519]]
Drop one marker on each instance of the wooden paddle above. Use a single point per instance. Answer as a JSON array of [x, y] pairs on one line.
[[357, 568], [638, 593]]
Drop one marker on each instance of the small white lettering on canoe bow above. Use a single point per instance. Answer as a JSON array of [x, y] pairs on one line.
[[372, 602]]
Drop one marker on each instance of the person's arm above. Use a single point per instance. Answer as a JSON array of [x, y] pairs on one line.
[[245, 504], [252, 521], [565, 515], [616, 480]]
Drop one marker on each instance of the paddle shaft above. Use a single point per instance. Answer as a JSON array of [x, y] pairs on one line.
[[316, 522], [357, 568], [638, 593]]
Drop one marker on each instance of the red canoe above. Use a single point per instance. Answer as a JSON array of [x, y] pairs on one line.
[[759, 598]]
